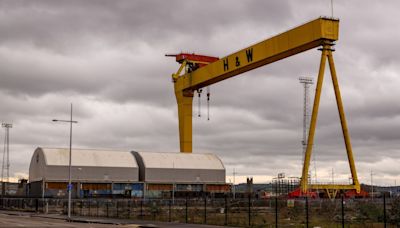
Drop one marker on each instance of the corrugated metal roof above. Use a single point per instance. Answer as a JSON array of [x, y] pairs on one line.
[[181, 160], [89, 157]]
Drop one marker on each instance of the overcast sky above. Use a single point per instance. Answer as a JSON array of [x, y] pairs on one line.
[[107, 58]]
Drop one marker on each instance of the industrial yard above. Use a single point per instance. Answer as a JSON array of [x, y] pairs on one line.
[[188, 114], [239, 212]]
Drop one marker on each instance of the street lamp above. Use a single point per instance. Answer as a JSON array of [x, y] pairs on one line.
[[69, 188]]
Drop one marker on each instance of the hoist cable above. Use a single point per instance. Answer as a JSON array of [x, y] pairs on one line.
[[208, 102], [199, 102]]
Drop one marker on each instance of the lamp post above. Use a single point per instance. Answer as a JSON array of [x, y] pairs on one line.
[[69, 188]]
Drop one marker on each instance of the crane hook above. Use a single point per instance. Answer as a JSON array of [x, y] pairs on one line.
[[208, 102], [199, 98]]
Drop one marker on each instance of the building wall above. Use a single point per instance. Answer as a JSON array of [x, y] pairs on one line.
[[36, 167], [184, 175], [179, 167], [35, 189], [92, 174]]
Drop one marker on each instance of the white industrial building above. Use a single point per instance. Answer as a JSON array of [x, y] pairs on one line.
[[90, 169], [126, 173], [180, 168], [51, 164]]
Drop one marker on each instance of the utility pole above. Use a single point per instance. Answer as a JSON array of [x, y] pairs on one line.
[[372, 186], [234, 188], [173, 184], [6, 158]]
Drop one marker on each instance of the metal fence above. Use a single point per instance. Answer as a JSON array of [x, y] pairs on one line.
[[244, 212]]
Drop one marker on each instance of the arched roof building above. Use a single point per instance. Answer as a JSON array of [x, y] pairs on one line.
[[111, 172], [158, 167], [89, 165], [51, 164]]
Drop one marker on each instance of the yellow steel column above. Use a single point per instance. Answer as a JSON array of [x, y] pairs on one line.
[[343, 122], [314, 115], [185, 101]]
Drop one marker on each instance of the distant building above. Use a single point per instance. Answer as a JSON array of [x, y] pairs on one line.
[[105, 173], [9, 188]]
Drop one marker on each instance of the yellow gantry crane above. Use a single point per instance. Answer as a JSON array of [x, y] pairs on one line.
[[201, 71]]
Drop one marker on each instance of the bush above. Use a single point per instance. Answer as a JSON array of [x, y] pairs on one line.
[[370, 211], [394, 212]]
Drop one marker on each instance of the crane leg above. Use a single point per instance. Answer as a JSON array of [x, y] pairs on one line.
[[343, 122], [330, 188], [314, 115], [185, 109]]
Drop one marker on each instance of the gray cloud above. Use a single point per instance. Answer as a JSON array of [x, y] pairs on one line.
[[107, 57]]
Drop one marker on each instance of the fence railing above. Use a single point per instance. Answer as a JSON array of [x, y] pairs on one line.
[[244, 212]]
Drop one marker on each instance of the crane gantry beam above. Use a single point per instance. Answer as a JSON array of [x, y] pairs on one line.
[[294, 41], [319, 32]]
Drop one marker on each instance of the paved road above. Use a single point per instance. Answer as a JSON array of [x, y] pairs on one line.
[[28, 221], [21, 219]]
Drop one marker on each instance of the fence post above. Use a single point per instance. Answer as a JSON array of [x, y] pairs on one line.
[[186, 210], [89, 207], [226, 210], [141, 208], [117, 209], [129, 208], [37, 205], [384, 210], [276, 211], [169, 210], [205, 209], [249, 209], [342, 211], [107, 208], [307, 211], [153, 209]]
